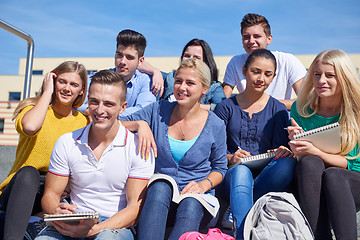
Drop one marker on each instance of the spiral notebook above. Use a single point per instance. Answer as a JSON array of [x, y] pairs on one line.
[[257, 161], [70, 218], [326, 138]]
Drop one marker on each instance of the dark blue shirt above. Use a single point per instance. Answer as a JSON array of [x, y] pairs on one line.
[[262, 132]]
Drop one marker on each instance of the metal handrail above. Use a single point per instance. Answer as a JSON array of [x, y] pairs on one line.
[[29, 57]]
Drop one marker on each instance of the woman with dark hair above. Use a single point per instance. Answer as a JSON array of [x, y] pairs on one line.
[[205, 55], [199, 49], [40, 121], [255, 124]]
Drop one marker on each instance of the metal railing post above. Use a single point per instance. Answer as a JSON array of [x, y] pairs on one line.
[[29, 57]]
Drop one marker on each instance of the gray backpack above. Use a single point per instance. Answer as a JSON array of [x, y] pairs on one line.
[[277, 215]]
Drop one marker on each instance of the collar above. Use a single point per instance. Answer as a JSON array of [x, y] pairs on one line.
[[120, 139], [136, 73]]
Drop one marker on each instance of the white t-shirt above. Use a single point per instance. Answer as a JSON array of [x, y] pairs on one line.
[[289, 70], [99, 185]]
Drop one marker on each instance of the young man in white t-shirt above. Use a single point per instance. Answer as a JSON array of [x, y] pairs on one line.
[[256, 34], [103, 167]]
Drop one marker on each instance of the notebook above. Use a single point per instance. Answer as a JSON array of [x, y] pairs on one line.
[[326, 138], [70, 218], [256, 162], [209, 201]]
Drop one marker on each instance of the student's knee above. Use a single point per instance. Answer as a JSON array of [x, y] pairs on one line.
[[159, 191], [240, 174], [309, 162], [332, 177], [190, 208], [28, 176]]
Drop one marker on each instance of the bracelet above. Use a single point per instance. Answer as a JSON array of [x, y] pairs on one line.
[[211, 183]]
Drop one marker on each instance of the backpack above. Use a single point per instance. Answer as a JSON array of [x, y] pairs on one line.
[[277, 215], [213, 234]]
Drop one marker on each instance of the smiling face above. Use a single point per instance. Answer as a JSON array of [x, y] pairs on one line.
[[254, 37], [68, 86], [105, 105], [126, 61], [188, 88], [193, 52], [259, 74], [325, 81]]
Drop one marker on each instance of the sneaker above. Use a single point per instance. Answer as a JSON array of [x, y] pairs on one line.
[[33, 229], [227, 221]]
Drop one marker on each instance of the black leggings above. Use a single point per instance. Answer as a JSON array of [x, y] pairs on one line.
[[328, 195], [20, 199]]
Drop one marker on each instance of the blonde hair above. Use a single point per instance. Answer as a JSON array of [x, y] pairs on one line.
[[200, 68], [350, 103], [65, 67]]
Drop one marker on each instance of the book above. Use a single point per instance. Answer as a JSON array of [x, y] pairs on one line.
[[326, 138], [210, 202], [256, 162], [70, 218]]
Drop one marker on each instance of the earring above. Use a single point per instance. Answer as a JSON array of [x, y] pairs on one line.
[[203, 94]]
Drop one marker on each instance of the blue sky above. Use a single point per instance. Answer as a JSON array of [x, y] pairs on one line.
[[80, 28]]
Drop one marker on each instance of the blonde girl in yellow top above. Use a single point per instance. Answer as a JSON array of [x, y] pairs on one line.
[[40, 121]]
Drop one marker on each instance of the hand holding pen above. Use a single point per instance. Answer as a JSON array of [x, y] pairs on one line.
[[240, 153], [294, 129], [65, 207]]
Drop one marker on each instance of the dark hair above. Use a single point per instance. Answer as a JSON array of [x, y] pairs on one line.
[[252, 19], [129, 37], [108, 77], [207, 56], [259, 53]]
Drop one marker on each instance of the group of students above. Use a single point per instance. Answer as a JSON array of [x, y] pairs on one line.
[[193, 133]]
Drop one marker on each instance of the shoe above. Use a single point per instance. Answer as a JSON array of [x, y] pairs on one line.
[[227, 221], [33, 229]]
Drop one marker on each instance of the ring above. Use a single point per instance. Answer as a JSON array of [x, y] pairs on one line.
[[162, 87]]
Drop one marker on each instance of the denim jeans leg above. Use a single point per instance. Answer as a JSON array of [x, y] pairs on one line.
[[275, 177], [50, 233], [241, 196], [115, 234], [154, 214], [188, 217]]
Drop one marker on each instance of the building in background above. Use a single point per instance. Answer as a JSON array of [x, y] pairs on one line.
[[12, 88]]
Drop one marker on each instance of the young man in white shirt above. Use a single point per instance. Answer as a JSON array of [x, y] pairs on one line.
[[103, 167], [256, 34]]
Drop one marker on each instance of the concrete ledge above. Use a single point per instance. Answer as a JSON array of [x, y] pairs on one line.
[[7, 157]]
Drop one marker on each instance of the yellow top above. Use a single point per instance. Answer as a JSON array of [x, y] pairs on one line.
[[35, 150]]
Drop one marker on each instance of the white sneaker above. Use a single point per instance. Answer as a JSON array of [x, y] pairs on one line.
[[227, 221]]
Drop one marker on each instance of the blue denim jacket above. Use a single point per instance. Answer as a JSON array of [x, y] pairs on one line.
[[206, 155]]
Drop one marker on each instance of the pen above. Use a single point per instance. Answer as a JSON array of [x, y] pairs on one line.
[[294, 127], [63, 199]]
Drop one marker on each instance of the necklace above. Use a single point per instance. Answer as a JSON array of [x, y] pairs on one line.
[[184, 136]]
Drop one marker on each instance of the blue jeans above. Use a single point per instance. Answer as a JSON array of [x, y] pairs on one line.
[[159, 212], [243, 190], [50, 233]]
